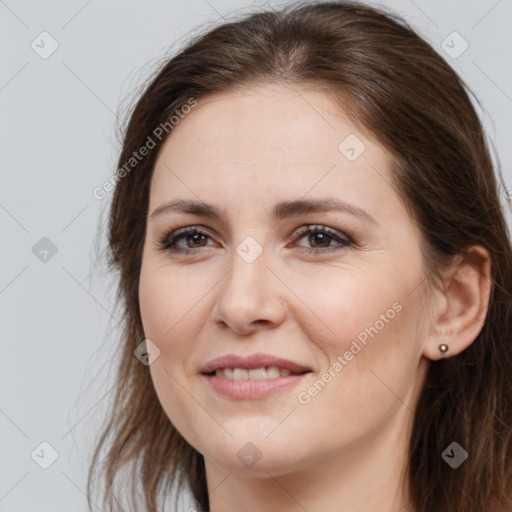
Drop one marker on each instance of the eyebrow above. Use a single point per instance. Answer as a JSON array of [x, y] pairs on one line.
[[280, 211]]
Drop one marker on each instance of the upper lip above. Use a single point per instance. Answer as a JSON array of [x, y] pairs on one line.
[[251, 362]]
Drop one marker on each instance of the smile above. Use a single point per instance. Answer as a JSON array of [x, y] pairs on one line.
[[272, 372]]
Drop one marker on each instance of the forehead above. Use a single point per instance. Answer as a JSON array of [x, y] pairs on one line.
[[281, 116], [275, 139]]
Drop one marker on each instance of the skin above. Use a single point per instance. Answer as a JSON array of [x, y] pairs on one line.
[[346, 449]]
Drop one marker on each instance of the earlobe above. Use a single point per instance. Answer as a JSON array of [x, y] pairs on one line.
[[466, 293]]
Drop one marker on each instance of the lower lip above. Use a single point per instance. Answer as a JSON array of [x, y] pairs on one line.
[[249, 389]]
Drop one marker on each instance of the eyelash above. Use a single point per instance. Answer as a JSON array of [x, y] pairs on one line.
[[168, 241]]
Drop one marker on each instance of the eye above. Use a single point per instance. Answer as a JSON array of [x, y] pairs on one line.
[[195, 239], [169, 242], [323, 235]]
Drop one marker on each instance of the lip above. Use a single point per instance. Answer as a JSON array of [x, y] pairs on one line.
[[251, 362], [252, 389]]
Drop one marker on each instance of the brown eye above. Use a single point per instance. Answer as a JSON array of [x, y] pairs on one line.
[[321, 237], [194, 239]]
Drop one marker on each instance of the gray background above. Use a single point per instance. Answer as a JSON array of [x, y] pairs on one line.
[[58, 134]]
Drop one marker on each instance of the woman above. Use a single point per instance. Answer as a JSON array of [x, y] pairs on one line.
[[316, 275]]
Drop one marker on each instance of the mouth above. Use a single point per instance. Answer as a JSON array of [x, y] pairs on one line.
[[263, 363], [262, 373], [253, 377]]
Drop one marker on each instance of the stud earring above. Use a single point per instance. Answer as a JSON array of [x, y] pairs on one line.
[[443, 348]]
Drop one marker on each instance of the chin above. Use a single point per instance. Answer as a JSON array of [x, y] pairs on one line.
[[249, 452], [252, 461]]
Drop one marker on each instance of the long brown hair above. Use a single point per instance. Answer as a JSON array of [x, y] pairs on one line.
[[394, 84]]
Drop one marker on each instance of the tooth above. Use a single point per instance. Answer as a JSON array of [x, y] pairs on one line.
[[272, 372], [240, 374], [257, 374]]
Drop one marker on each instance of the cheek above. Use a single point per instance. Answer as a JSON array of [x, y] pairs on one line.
[[372, 367], [354, 307], [167, 312], [370, 339], [169, 305]]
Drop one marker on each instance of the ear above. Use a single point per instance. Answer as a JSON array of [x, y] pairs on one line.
[[461, 307]]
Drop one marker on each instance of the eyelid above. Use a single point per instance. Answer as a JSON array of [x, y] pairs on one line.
[[179, 232], [313, 228], [344, 240], [168, 243]]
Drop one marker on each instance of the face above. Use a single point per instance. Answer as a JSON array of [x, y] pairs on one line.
[[342, 302]]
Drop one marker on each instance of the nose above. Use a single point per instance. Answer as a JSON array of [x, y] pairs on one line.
[[250, 297]]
